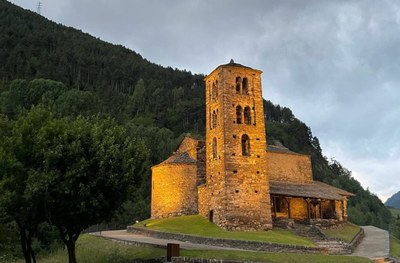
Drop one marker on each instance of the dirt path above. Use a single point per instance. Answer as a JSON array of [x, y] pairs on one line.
[[375, 244]]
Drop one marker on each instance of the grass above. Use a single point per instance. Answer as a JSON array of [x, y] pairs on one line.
[[94, 249], [394, 247], [272, 257], [395, 211], [345, 233], [200, 226]]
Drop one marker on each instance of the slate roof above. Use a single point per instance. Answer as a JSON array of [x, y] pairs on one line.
[[279, 149], [312, 190], [180, 158]]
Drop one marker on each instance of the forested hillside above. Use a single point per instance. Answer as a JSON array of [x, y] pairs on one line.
[[72, 73]]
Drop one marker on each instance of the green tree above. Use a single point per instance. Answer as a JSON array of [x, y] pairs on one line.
[[19, 200], [75, 172]]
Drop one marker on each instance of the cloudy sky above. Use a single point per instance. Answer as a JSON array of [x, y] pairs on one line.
[[336, 64]]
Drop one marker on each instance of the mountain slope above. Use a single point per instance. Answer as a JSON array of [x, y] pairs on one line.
[[394, 200], [155, 102], [35, 47]]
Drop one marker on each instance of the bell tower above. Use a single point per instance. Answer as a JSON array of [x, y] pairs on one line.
[[236, 174]]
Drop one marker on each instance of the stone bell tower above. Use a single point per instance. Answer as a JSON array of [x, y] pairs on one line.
[[236, 177]]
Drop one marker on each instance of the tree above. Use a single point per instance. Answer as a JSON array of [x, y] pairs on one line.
[[75, 172], [19, 201]]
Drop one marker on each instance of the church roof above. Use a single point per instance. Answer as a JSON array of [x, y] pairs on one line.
[[179, 158], [314, 189], [232, 64], [279, 149]]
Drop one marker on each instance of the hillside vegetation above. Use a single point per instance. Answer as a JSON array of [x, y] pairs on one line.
[[74, 74]]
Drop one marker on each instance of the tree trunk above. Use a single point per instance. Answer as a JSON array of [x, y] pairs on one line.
[[24, 245], [71, 251], [29, 246]]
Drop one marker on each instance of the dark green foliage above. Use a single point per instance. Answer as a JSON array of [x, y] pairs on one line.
[[72, 173], [124, 82], [365, 208], [394, 200]]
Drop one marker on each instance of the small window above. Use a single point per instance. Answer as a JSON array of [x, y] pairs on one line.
[[245, 87], [238, 114], [247, 115], [238, 85], [214, 148], [245, 145], [214, 119], [214, 91]]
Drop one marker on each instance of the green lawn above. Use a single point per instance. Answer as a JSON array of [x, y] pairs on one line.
[[394, 247], [345, 233], [94, 249], [200, 226]]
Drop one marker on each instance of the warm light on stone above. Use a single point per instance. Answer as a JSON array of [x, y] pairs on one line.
[[232, 178]]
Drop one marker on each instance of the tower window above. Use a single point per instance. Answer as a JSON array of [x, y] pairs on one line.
[[238, 114], [245, 145], [214, 119], [238, 85], [245, 86], [215, 90], [247, 115], [214, 148]]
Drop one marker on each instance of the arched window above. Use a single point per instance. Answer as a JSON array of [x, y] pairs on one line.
[[214, 148], [238, 85], [247, 115], [216, 88], [214, 119], [245, 145], [245, 87], [210, 120], [238, 114], [214, 91]]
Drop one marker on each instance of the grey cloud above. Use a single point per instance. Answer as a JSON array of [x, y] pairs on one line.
[[334, 63]]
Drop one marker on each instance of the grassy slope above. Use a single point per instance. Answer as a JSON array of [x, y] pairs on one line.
[[346, 233], [93, 249], [394, 247], [395, 211], [200, 226]]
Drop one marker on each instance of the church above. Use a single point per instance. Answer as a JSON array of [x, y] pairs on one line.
[[234, 178]]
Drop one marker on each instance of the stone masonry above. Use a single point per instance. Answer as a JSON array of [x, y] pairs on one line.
[[232, 177]]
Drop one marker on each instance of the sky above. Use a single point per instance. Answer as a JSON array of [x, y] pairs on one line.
[[335, 64]]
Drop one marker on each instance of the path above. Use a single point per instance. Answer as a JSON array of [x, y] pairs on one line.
[[123, 235], [375, 244]]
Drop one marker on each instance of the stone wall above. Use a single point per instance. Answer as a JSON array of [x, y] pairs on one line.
[[298, 208], [289, 167], [188, 145], [237, 180], [240, 244], [203, 200], [174, 190]]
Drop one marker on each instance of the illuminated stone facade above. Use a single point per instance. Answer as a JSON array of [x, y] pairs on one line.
[[233, 178]]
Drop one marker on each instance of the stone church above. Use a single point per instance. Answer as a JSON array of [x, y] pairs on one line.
[[234, 178]]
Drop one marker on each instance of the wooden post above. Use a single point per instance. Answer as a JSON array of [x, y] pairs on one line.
[[274, 204], [172, 251], [308, 207], [320, 208], [287, 199]]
